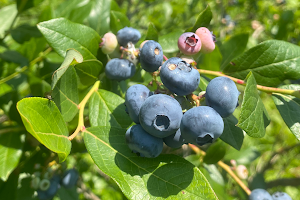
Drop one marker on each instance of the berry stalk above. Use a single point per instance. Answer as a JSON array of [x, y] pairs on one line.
[[266, 89], [226, 168]]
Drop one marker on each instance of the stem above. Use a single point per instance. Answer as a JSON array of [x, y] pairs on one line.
[[266, 89], [226, 168], [81, 106], [165, 57], [38, 59]]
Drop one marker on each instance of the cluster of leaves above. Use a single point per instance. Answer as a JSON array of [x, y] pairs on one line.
[[61, 54]]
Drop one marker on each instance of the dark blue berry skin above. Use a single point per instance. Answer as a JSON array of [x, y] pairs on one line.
[[151, 56], [70, 178], [160, 115], [175, 140], [134, 98], [142, 142], [52, 190], [128, 34], [222, 95], [260, 194], [281, 196], [119, 69], [201, 125], [179, 77]]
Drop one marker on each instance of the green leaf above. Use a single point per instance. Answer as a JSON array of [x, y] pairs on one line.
[[23, 5], [289, 108], [8, 13], [5, 88], [8, 189], [15, 57], [215, 153], [32, 48], [169, 41], [118, 21], [99, 17], [24, 32], [108, 109], [151, 33], [88, 71], [65, 94], [210, 61], [68, 194], [232, 48], [72, 57], [81, 12], [271, 62], [11, 144], [62, 35], [164, 177], [203, 20], [43, 120], [253, 117], [232, 134]]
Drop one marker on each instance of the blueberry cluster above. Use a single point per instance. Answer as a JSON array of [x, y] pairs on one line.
[[48, 186], [261, 194], [159, 117]]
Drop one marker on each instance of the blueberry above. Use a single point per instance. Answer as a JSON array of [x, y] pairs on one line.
[[70, 178], [189, 43], [222, 95], [52, 189], [128, 34], [119, 69], [175, 140], [281, 196], [160, 115], [179, 77], [109, 43], [141, 142], [134, 98], [207, 39], [260, 194], [151, 56], [201, 125]]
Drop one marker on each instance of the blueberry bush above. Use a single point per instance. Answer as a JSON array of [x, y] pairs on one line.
[[111, 99]]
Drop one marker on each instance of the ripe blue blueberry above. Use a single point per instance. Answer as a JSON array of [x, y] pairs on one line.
[[160, 115], [201, 125], [119, 69], [128, 34], [260, 194], [179, 77], [140, 141], [222, 95], [134, 98], [151, 56], [281, 196], [52, 189], [189, 43], [175, 140], [70, 178]]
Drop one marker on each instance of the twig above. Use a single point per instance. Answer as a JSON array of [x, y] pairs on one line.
[[87, 193], [266, 89], [80, 126], [226, 168], [38, 59]]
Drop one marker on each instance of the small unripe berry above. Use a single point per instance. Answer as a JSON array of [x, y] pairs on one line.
[[207, 40], [242, 171], [189, 43], [109, 43]]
